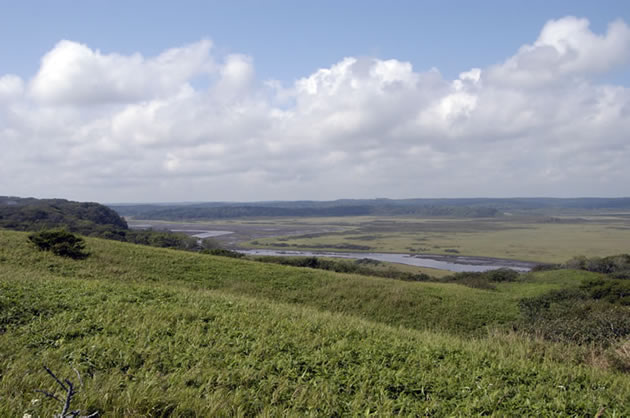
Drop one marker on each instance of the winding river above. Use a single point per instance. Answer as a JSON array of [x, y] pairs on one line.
[[442, 262], [455, 263]]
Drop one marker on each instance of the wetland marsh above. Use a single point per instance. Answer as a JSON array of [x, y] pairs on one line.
[[529, 237]]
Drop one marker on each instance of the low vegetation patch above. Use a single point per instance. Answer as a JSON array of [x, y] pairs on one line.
[[611, 290], [362, 266], [223, 252], [60, 242], [483, 280], [576, 315], [617, 266]]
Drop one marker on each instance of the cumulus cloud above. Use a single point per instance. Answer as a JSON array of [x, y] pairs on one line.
[[565, 47], [11, 87], [72, 73], [114, 127]]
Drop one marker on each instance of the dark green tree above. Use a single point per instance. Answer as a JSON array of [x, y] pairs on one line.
[[60, 242]]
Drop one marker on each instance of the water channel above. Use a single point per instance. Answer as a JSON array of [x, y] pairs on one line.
[[442, 262]]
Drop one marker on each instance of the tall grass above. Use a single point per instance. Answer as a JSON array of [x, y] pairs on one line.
[[414, 305], [163, 333]]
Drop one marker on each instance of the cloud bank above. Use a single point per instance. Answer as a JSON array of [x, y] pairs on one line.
[[191, 124]]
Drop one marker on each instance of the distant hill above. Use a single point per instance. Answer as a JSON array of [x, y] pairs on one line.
[[87, 218], [467, 207], [294, 209]]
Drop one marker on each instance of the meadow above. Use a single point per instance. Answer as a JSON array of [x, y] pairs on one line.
[[157, 332], [534, 237]]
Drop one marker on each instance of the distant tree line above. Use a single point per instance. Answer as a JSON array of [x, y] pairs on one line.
[[85, 218], [461, 207], [198, 212], [615, 266]]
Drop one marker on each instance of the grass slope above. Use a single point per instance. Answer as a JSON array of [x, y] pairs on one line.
[[158, 332], [414, 305]]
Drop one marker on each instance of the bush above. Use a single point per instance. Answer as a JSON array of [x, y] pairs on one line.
[[162, 239], [502, 275], [533, 308], [362, 266], [619, 357], [367, 262], [573, 315], [615, 264], [60, 242], [222, 252], [483, 280], [610, 290], [546, 267], [414, 277]]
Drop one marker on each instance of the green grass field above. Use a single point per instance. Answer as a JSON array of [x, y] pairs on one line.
[[530, 238], [158, 332]]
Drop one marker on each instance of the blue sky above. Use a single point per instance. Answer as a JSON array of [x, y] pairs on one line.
[[289, 39], [200, 100]]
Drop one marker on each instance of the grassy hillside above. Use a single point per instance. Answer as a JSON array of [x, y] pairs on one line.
[[159, 332], [413, 305]]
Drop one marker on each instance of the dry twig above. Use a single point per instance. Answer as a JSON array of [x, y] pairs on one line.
[[68, 387]]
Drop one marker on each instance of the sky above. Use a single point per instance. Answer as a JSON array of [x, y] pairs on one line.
[[283, 100]]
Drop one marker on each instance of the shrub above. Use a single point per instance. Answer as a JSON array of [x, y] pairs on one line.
[[615, 264], [619, 357], [576, 263], [546, 267], [362, 266], [414, 277], [572, 315], [60, 242], [535, 307], [367, 262], [502, 275], [610, 290], [483, 280], [162, 239], [222, 252]]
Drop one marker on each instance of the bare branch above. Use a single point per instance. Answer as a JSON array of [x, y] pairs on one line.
[[69, 396], [56, 378], [50, 395], [68, 386]]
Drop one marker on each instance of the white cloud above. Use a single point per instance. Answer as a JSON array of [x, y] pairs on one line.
[[74, 74], [237, 75], [565, 47], [114, 127], [11, 87]]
